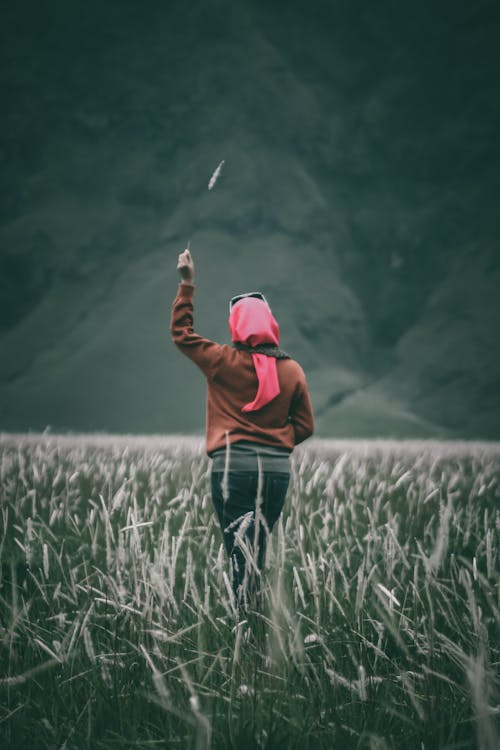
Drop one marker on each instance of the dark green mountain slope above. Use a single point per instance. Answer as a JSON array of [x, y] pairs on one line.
[[359, 193]]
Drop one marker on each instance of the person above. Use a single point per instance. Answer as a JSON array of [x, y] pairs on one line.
[[258, 409]]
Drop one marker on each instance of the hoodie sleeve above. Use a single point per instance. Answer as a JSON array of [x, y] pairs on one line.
[[205, 353], [301, 413]]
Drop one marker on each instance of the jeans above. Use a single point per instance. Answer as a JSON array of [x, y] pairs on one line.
[[246, 523]]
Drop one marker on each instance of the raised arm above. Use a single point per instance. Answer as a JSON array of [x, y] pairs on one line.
[[204, 352]]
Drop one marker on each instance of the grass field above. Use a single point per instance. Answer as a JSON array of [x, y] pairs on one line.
[[380, 623]]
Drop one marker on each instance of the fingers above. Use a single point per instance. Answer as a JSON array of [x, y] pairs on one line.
[[185, 263]]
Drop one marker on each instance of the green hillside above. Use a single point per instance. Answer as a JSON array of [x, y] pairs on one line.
[[358, 193]]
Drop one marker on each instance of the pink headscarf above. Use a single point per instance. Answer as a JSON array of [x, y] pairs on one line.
[[251, 322]]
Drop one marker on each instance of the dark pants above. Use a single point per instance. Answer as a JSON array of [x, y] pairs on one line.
[[246, 520]]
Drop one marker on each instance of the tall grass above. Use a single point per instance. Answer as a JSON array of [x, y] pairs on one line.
[[379, 622]]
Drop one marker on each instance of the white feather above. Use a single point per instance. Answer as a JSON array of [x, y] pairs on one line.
[[215, 176]]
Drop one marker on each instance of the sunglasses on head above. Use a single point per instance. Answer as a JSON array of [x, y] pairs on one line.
[[257, 295]]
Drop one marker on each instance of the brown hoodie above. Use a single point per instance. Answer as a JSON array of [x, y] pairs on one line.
[[232, 382]]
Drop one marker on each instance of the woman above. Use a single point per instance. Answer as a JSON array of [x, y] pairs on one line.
[[258, 409]]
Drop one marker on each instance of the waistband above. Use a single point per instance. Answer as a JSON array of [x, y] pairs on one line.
[[243, 457]]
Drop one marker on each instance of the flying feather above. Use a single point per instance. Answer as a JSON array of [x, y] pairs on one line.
[[215, 176]]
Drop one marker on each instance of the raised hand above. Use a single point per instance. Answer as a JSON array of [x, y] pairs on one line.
[[185, 266]]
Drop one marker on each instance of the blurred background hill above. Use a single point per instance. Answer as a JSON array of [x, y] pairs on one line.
[[359, 193]]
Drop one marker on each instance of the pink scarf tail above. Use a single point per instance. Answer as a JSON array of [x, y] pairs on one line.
[[269, 387], [251, 322]]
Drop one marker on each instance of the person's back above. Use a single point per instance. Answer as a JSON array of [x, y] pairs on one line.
[[232, 382], [258, 409]]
